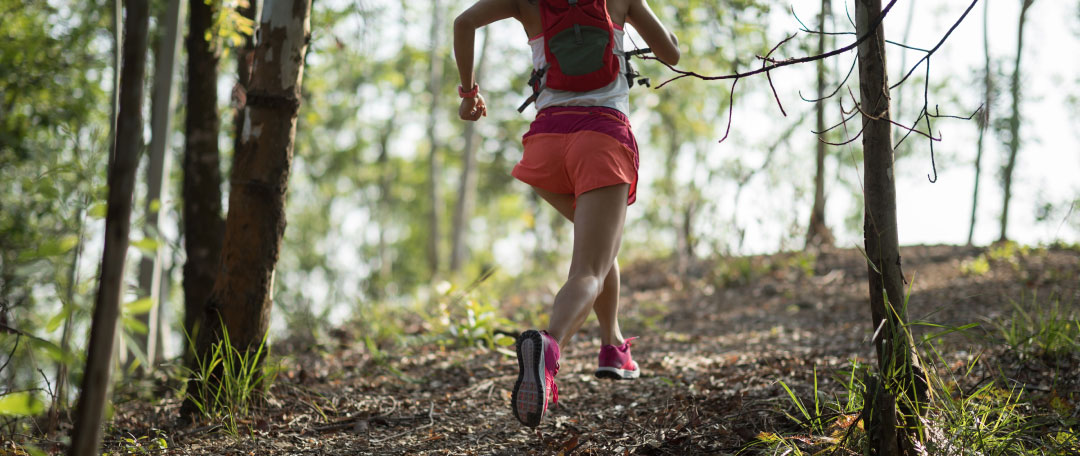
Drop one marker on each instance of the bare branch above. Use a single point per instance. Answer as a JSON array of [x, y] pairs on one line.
[[765, 60], [882, 117], [842, 83], [731, 107], [782, 63], [842, 143], [926, 57]]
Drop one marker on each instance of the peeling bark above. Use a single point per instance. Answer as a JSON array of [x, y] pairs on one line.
[[242, 295]]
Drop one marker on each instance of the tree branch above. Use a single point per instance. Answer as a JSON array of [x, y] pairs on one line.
[[782, 63]]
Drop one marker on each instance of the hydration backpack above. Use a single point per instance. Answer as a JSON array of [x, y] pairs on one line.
[[579, 44]]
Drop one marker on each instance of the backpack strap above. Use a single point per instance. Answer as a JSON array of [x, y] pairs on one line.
[[534, 81]]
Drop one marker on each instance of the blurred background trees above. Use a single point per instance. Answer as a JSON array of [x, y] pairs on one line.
[[389, 191]]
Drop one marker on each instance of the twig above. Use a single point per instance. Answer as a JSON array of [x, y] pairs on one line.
[[935, 48], [938, 115], [807, 30], [842, 83], [18, 336], [882, 117], [842, 121], [842, 143], [768, 75], [431, 422], [731, 106]]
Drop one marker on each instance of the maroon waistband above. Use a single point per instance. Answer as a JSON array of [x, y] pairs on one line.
[[572, 119]]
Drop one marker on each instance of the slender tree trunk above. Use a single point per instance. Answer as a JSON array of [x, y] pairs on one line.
[[243, 292], [203, 226], [897, 365], [86, 436], [386, 261], [984, 117], [1014, 122], [467, 187], [118, 42], [161, 110], [434, 162], [818, 234]]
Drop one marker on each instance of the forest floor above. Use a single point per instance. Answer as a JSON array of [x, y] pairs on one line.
[[717, 347]]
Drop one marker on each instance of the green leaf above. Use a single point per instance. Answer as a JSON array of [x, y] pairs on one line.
[[155, 205], [34, 451], [134, 325], [98, 211], [49, 248], [53, 350], [139, 307], [503, 340], [146, 245], [59, 318], [47, 188], [20, 404]]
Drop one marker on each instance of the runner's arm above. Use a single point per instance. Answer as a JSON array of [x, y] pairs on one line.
[[664, 44], [482, 13]]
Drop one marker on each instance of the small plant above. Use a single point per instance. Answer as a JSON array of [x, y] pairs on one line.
[[141, 445], [229, 381], [1042, 329], [976, 267], [469, 319], [833, 423]]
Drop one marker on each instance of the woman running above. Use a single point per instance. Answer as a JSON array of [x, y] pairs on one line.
[[581, 157]]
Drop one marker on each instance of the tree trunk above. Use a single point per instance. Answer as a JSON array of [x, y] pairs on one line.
[[243, 292], [434, 163], [86, 437], [467, 187], [203, 226], [244, 56], [896, 361], [386, 179], [161, 110], [818, 233], [1014, 122], [984, 118], [118, 41]]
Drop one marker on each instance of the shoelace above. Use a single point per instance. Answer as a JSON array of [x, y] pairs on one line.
[[555, 386]]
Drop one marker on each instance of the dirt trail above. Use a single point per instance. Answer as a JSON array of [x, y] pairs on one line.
[[713, 347]]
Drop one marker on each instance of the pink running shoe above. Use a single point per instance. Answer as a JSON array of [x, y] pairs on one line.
[[538, 362], [616, 362]]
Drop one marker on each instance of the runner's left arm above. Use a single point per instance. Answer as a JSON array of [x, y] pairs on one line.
[[482, 13]]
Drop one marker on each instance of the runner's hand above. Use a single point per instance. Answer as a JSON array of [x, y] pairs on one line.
[[472, 108]]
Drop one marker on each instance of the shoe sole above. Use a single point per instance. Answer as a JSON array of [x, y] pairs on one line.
[[617, 374], [527, 399]]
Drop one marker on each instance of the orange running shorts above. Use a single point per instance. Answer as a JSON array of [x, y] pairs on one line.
[[572, 150]]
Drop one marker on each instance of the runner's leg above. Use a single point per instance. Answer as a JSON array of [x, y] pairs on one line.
[[598, 225], [606, 305]]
